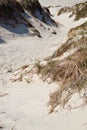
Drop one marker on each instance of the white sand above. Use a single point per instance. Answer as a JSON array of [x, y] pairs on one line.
[[25, 105], [25, 108], [60, 2]]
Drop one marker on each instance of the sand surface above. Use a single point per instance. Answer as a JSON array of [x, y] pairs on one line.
[[23, 106]]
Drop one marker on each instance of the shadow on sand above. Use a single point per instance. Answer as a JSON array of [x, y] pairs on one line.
[[2, 41], [20, 29]]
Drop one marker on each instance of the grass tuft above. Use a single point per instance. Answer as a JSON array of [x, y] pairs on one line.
[[70, 71]]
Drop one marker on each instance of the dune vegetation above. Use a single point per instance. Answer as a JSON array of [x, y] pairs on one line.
[[70, 70], [79, 10], [68, 65], [11, 10]]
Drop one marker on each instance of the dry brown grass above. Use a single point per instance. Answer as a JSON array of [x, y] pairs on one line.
[[71, 71]]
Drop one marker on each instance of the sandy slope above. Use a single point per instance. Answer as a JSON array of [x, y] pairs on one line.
[[24, 106], [25, 109], [60, 3]]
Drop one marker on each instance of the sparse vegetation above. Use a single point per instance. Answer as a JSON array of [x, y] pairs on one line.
[[11, 11], [79, 10], [70, 71], [35, 8]]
